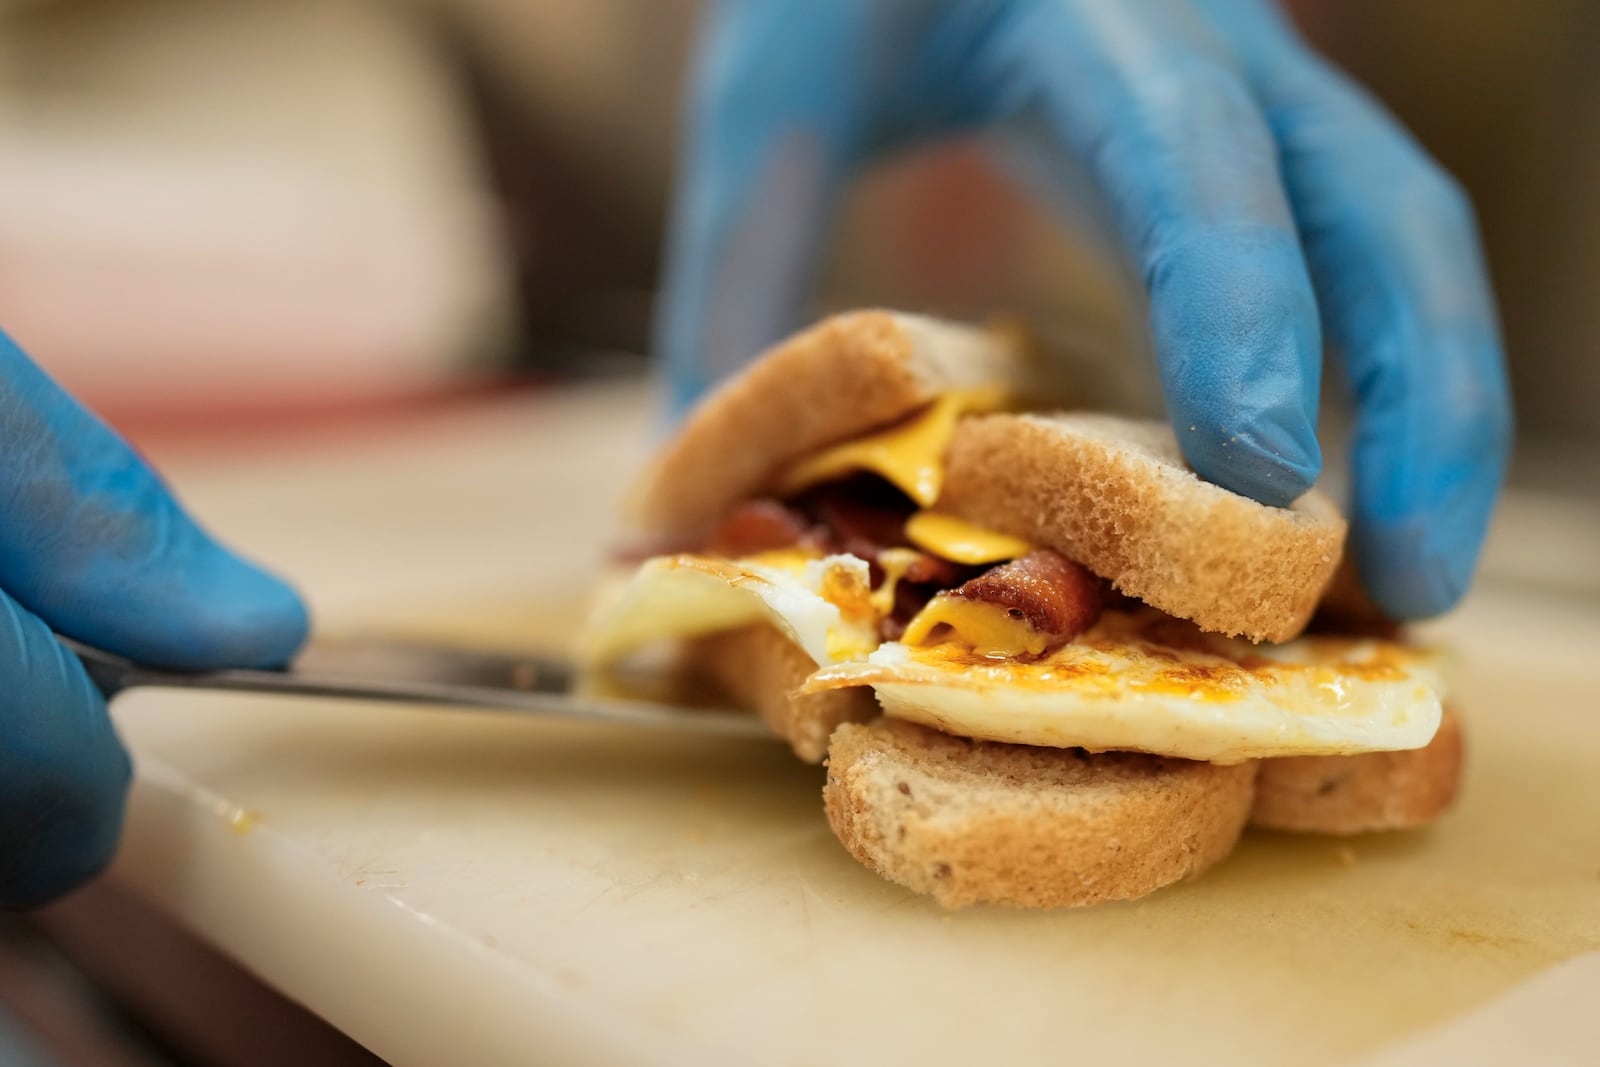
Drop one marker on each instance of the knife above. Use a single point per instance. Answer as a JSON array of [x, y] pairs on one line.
[[404, 672]]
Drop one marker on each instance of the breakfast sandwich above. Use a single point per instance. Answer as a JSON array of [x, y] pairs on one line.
[[1046, 664]]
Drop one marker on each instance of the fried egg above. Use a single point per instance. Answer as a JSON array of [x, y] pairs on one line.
[[1139, 681], [1143, 681], [824, 604]]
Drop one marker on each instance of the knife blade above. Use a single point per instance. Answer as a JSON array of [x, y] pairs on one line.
[[436, 675]]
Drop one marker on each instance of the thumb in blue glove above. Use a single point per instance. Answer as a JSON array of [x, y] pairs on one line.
[[94, 547]]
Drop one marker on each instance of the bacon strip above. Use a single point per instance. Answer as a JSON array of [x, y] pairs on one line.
[[1055, 595], [937, 572], [863, 519], [762, 526], [842, 523]]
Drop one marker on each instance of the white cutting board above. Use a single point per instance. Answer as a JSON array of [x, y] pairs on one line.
[[455, 888]]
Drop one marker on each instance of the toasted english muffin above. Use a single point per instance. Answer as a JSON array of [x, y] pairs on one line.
[[975, 822], [1363, 793], [839, 379], [1115, 495]]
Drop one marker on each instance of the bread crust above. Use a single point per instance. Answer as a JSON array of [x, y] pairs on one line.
[[971, 822], [1363, 793], [1115, 495], [842, 377], [760, 668]]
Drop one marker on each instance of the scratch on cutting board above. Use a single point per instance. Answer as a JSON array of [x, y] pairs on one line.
[[807, 892], [591, 902], [1456, 935], [368, 872]]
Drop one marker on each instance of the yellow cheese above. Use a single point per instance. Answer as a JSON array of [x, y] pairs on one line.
[[894, 562], [960, 541], [909, 454], [989, 630]]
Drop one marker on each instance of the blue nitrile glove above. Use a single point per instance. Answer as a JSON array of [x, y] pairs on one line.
[[1252, 184], [92, 545]]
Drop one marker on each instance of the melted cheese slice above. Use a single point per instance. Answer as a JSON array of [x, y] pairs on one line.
[[824, 605], [894, 563], [988, 630], [1145, 682], [960, 541], [909, 454]]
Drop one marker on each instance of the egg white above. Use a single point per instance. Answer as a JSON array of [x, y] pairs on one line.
[[1204, 697], [675, 597]]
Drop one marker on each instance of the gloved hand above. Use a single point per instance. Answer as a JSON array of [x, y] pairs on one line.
[[1252, 184], [92, 545]]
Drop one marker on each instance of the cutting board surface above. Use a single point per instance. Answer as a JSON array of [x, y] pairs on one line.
[[640, 896]]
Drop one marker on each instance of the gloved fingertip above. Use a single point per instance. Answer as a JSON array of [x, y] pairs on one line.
[[1417, 555], [1427, 475], [212, 610], [1407, 577], [1240, 350], [1276, 471], [247, 617], [276, 627]]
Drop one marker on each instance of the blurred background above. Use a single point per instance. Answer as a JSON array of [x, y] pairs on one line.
[[253, 224], [256, 209]]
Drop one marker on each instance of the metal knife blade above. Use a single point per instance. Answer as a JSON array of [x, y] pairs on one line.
[[413, 673]]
